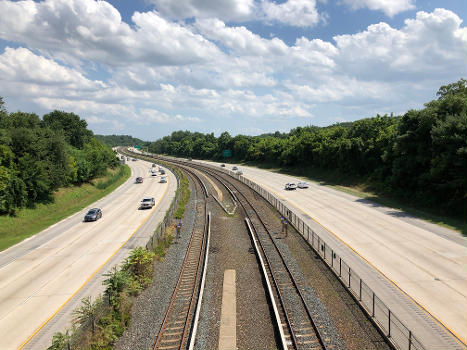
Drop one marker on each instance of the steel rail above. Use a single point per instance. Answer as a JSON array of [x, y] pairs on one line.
[[179, 340]]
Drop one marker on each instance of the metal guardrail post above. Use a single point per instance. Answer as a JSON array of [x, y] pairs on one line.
[[410, 340], [373, 306], [389, 323], [360, 294], [349, 277]]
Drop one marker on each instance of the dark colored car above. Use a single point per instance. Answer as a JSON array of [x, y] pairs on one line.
[[93, 214], [139, 180]]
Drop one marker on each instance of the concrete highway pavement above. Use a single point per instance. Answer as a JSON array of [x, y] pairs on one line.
[[39, 275], [426, 261]]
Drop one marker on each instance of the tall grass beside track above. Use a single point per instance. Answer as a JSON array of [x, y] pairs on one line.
[[67, 201]]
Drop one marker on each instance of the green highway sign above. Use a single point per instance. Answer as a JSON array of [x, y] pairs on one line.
[[227, 153], [137, 147]]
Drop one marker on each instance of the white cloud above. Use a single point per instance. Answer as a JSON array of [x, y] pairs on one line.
[[389, 7], [21, 65], [432, 42], [93, 30], [229, 10], [240, 39], [298, 13]]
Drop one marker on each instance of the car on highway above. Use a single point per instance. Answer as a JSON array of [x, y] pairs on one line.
[[147, 202], [290, 186], [234, 168], [162, 171], [134, 159], [139, 180], [163, 179], [153, 165], [153, 172], [302, 184], [239, 172], [222, 165], [93, 214], [189, 159]]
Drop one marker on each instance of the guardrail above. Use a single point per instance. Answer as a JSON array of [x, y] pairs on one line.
[[390, 325]]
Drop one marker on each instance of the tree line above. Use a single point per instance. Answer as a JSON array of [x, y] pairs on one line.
[[120, 140], [38, 156], [419, 156]]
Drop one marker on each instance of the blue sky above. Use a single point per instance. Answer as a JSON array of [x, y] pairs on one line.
[[149, 67]]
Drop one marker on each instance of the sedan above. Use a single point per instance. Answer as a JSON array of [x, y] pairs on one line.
[[93, 214], [302, 185], [147, 202], [139, 180], [234, 168], [290, 186]]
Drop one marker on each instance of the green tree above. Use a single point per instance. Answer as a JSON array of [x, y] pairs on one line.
[[74, 128]]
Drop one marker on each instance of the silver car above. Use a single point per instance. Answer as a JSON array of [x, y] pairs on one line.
[[290, 186], [302, 184], [147, 202]]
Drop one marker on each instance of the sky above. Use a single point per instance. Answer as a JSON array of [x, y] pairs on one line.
[[149, 67]]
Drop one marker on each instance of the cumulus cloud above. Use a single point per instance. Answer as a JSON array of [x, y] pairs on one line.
[[433, 42], [298, 13], [93, 30], [22, 65], [240, 40], [389, 7], [229, 10]]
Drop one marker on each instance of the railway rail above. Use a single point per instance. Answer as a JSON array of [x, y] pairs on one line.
[[177, 329]]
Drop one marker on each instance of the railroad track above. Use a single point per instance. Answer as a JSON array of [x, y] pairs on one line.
[[177, 331], [295, 321]]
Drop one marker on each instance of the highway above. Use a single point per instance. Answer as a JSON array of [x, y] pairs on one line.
[[426, 261], [39, 275]]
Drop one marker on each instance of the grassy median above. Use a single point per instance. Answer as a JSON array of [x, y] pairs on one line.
[[67, 201]]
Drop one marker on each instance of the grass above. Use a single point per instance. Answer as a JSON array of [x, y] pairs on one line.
[[67, 201], [368, 190]]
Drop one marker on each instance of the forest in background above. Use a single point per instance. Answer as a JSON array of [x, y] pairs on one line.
[[38, 156], [418, 157], [121, 140]]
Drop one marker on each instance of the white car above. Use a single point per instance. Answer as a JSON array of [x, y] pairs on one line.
[[147, 202], [163, 179], [153, 172], [290, 186], [239, 172], [302, 184]]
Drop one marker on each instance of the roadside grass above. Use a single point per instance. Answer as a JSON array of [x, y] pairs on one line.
[[368, 190], [67, 201]]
